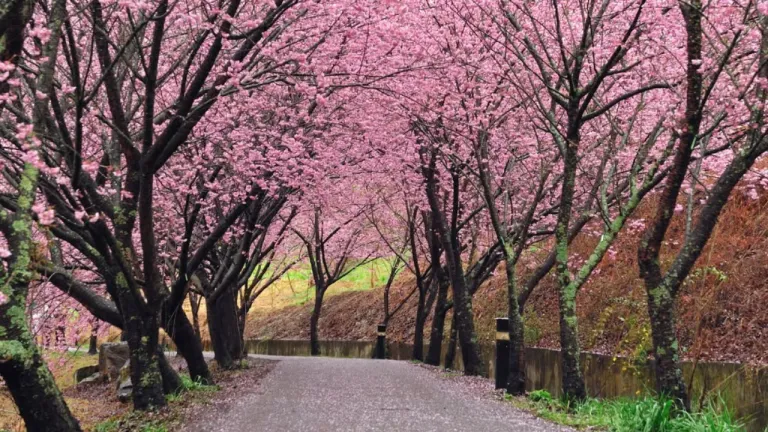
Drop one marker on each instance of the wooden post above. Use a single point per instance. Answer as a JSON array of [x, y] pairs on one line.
[[502, 352], [381, 342]]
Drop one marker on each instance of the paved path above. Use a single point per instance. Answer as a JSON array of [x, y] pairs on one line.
[[330, 394]]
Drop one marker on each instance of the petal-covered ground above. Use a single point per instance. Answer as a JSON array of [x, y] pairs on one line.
[[331, 394]]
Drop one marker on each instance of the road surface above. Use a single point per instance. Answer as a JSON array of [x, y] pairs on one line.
[[331, 394]]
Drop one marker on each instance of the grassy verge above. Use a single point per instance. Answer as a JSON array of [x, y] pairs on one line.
[[648, 414]]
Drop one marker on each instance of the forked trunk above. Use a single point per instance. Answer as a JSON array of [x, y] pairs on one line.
[[224, 329], [188, 344]]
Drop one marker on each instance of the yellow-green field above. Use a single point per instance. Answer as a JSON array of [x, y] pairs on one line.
[[296, 286]]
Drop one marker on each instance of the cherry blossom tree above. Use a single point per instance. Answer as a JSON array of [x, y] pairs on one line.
[[337, 242], [726, 47]]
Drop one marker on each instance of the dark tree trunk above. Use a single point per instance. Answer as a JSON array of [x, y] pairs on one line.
[[188, 343], [242, 317], [450, 353], [438, 325], [418, 336], [171, 380], [314, 340], [465, 328], [224, 329], [92, 348], [462, 300]]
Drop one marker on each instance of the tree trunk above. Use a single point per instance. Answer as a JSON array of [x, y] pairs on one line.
[[195, 305], [35, 393], [224, 329], [669, 375], [142, 335], [171, 380], [26, 375], [92, 348], [465, 328], [418, 336], [314, 341], [462, 300], [242, 317], [188, 344], [450, 354], [516, 380], [438, 325], [573, 381]]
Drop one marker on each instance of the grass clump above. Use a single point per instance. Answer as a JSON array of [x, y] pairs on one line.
[[107, 426], [648, 414], [189, 385], [134, 422]]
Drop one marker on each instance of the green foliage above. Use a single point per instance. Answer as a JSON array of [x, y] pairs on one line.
[[107, 426], [133, 422], [649, 414], [644, 415], [540, 396], [154, 428], [703, 272], [188, 384]]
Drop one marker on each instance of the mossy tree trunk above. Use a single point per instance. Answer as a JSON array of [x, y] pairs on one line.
[[573, 381], [661, 299], [141, 331], [512, 244], [516, 380], [26, 375]]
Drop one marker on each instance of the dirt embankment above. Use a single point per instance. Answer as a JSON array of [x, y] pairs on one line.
[[721, 310]]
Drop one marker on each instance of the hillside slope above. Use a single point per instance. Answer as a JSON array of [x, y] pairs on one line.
[[721, 311]]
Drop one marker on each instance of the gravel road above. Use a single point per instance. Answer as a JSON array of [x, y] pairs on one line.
[[331, 394]]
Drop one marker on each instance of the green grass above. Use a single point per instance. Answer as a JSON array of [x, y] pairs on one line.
[[363, 278], [360, 276], [135, 424], [647, 414], [189, 385], [107, 426]]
